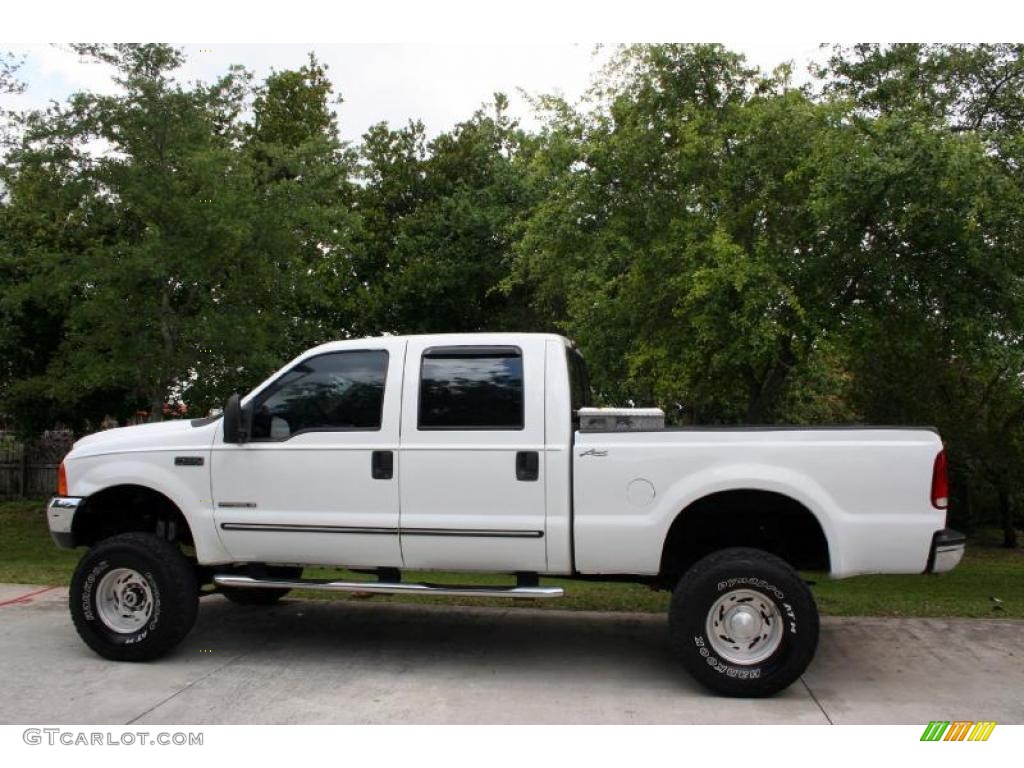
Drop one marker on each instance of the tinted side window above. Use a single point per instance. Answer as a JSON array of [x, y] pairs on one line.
[[335, 391], [471, 388]]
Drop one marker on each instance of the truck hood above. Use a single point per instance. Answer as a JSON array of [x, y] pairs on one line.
[[163, 435]]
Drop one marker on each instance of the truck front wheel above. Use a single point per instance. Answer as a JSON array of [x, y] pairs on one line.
[[743, 622], [133, 597]]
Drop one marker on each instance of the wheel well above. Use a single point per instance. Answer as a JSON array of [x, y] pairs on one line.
[[125, 508], [744, 518]]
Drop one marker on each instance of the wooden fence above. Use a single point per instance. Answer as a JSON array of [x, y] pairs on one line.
[[29, 470]]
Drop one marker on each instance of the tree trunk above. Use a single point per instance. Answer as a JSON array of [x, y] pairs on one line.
[[156, 408], [1006, 518], [167, 333], [765, 392], [968, 490]]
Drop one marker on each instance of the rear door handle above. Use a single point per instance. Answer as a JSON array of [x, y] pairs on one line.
[[527, 465], [382, 465]]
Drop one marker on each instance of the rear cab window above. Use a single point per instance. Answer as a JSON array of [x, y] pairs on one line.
[[471, 388], [579, 384]]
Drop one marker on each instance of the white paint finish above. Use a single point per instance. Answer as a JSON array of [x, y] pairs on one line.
[[868, 488], [557, 459], [144, 455], [461, 480], [640, 492], [315, 479], [164, 435]]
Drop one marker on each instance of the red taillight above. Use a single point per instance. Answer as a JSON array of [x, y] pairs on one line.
[[940, 482], [62, 481]]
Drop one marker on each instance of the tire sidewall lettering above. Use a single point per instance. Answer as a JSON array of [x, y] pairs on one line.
[[727, 585], [790, 614], [722, 667], [89, 588]]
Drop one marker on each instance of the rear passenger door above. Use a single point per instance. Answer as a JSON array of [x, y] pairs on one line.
[[472, 484]]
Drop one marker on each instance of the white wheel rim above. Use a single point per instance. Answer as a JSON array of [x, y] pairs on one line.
[[744, 627], [124, 600]]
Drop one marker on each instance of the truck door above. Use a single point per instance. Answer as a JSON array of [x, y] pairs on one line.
[[472, 443], [317, 482]]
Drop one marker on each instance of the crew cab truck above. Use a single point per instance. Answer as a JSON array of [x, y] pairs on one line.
[[465, 453]]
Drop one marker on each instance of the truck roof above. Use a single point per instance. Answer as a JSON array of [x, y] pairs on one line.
[[483, 337]]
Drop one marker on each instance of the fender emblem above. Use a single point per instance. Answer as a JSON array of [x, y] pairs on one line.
[[188, 461], [593, 452]]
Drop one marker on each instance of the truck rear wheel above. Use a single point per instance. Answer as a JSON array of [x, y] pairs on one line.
[[133, 597], [743, 622]]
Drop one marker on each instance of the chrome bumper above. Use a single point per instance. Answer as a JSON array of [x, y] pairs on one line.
[[60, 514], [947, 551]]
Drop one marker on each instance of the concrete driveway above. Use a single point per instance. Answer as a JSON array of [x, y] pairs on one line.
[[371, 662]]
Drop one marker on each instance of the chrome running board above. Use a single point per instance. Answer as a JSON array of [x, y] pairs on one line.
[[387, 588]]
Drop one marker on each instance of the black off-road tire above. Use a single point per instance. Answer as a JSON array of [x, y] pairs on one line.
[[261, 596], [174, 595], [718, 576]]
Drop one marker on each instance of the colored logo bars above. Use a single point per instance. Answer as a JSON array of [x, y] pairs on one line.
[[958, 730]]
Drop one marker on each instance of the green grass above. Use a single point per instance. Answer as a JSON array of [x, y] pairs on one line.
[[27, 553], [28, 556]]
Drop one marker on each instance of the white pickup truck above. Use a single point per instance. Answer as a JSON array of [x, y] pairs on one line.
[[465, 453]]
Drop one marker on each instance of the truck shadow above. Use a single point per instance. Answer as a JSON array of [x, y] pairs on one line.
[[443, 638]]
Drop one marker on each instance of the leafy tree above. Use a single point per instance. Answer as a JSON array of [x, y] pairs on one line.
[[293, 108], [179, 263], [307, 183], [40, 225], [966, 87], [437, 225], [939, 335], [677, 236], [9, 65], [9, 84]]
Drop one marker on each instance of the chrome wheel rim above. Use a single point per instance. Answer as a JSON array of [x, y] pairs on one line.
[[744, 627], [124, 600]]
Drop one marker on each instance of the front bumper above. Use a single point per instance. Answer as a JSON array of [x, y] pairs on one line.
[[947, 551], [60, 514]]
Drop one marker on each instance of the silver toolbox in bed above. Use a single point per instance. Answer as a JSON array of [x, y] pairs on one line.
[[621, 419]]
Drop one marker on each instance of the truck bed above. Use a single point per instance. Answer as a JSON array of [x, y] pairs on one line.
[[868, 488]]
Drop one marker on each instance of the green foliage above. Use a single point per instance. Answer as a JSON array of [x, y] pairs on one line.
[[172, 263], [307, 223], [437, 225], [9, 83], [937, 335], [678, 235], [292, 107]]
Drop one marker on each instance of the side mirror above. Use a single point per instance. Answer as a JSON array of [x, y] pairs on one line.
[[235, 428]]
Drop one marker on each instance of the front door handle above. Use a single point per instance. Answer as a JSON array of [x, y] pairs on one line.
[[382, 465], [527, 465]]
